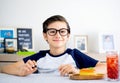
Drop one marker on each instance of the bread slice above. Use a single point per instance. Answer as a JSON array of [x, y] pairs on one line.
[[87, 71]]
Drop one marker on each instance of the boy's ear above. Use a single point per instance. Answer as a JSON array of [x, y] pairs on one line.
[[68, 35], [45, 36]]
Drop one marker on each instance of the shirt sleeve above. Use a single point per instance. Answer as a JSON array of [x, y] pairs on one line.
[[35, 57], [82, 60]]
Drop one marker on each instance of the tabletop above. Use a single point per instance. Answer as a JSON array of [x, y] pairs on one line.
[[46, 78]]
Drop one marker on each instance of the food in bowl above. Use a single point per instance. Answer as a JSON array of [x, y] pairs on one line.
[[10, 50]]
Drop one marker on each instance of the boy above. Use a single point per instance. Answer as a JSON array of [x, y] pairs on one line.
[[56, 32]]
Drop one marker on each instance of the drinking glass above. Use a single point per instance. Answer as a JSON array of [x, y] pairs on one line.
[[112, 66]]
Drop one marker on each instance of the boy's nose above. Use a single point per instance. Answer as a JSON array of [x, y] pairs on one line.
[[58, 33]]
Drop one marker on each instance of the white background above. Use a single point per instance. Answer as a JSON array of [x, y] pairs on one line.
[[86, 17]]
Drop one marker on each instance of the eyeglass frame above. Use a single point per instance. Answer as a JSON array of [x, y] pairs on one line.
[[68, 31]]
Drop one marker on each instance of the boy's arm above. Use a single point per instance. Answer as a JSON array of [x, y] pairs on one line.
[[19, 68], [12, 68], [101, 68]]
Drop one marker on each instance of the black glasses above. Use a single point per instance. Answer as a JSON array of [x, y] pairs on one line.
[[53, 32]]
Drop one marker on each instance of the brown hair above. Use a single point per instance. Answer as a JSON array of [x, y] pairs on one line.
[[53, 19]]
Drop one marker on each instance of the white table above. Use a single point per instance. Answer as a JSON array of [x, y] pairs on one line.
[[45, 78]]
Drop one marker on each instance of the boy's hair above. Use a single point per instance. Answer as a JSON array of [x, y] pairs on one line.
[[54, 19]]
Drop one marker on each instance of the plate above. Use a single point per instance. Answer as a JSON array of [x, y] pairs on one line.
[[86, 77]]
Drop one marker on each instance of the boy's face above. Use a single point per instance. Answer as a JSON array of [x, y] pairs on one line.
[[57, 41]]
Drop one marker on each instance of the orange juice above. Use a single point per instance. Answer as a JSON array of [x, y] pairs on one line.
[[112, 66]]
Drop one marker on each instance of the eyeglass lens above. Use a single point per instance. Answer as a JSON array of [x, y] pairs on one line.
[[53, 32]]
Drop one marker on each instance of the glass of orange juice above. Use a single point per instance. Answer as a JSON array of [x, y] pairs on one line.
[[112, 66]]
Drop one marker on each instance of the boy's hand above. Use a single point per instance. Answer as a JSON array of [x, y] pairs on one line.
[[28, 68], [67, 69]]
